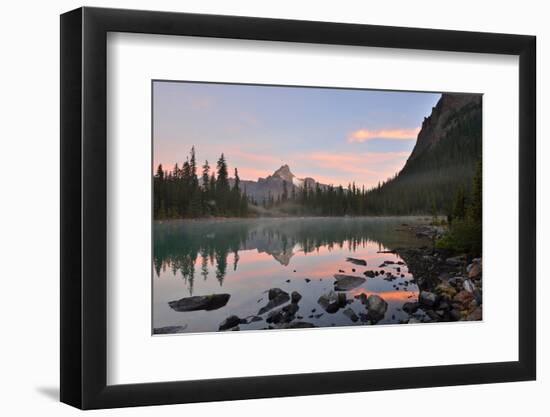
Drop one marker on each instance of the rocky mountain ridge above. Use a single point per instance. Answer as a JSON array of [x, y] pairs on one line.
[[273, 185]]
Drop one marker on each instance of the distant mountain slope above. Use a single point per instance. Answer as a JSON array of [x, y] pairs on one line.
[[273, 185], [447, 150]]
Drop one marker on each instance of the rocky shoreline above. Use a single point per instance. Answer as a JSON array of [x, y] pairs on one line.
[[450, 287]]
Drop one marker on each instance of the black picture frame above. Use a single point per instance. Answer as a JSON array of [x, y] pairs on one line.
[[84, 207]]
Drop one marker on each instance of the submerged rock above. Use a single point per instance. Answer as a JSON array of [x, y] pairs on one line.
[[283, 315], [362, 298], [332, 301], [347, 282], [276, 297], [370, 274], [295, 296], [169, 329], [252, 319], [376, 307], [356, 261], [200, 302], [231, 321], [348, 312], [410, 308]]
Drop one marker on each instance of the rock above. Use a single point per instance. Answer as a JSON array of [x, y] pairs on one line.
[[455, 314], [287, 280], [456, 260], [463, 297], [349, 313], [455, 282], [230, 322], [332, 301], [275, 292], [200, 302], [389, 262], [478, 297], [445, 289], [356, 261], [410, 308], [427, 298], [432, 315], [307, 280], [475, 315], [362, 298], [251, 319], [283, 315], [341, 271], [376, 307], [276, 298], [169, 329], [347, 282], [413, 320], [443, 305], [474, 269], [295, 296], [468, 285], [370, 274]]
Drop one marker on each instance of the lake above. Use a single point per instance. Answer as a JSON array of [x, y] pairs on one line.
[[246, 257]]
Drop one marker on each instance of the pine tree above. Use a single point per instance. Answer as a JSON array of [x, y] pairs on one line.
[[222, 185], [459, 206], [205, 176]]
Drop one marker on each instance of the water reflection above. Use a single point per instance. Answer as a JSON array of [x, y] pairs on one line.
[[248, 256], [179, 244]]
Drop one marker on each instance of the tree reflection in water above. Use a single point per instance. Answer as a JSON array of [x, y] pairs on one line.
[[179, 244]]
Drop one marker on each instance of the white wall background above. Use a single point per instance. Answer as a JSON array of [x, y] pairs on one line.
[[29, 225]]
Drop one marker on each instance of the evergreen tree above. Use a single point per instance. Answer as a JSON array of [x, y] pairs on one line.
[[222, 185]]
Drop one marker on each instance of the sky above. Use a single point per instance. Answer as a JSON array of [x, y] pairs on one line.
[[337, 136]]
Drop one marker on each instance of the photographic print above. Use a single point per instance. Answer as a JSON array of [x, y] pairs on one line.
[[287, 207]]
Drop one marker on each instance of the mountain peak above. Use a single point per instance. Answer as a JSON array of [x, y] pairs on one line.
[[284, 173]]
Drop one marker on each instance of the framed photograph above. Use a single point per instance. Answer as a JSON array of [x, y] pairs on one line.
[[258, 208]]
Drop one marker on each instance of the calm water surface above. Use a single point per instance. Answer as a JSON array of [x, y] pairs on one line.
[[247, 257]]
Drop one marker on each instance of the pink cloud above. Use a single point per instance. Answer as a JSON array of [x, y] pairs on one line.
[[363, 168], [363, 135]]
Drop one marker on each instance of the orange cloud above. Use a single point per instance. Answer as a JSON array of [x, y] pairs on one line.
[[363, 135]]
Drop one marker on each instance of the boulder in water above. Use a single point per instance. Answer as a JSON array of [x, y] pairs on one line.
[[200, 302]]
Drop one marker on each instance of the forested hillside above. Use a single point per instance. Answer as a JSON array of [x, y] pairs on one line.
[[443, 161]]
